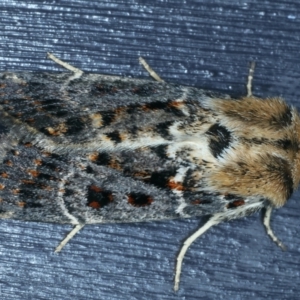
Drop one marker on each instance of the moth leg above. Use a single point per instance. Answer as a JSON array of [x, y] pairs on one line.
[[267, 218], [187, 243], [250, 79], [68, 237], [152, 73], [77, 72]]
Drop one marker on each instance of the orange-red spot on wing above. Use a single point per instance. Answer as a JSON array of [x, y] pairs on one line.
[[175, 185]]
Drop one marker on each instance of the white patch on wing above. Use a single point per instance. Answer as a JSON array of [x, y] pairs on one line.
[[191, 152], [179, 178]]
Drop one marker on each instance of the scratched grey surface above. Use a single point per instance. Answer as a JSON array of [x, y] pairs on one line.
[[201, 43]]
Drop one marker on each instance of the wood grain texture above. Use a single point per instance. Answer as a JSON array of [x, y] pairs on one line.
[[200, 43]]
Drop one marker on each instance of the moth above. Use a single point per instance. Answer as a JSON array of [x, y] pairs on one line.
[[83, 149]]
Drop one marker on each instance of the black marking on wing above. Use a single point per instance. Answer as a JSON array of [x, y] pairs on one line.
[[74, 125], [160, 151], [107, 117], [163, 129], [220, 139], [97, 197], [115, 136], [139, 199], [161, 178]]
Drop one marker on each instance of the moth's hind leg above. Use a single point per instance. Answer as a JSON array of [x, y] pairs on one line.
[[68, 237], [152, 73], [77, 72]]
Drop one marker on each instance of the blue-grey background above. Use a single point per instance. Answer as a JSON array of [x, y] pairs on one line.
[[207, 44]]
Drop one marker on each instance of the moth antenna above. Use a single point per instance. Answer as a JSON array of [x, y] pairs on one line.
[[267, 219], [250, 79], [214, 220]]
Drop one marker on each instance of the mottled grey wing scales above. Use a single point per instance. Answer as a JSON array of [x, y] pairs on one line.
[[36, 185]]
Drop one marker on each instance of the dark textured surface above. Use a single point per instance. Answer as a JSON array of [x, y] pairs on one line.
[[202, 43]]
